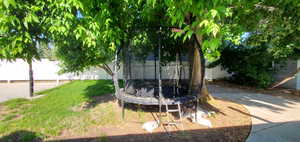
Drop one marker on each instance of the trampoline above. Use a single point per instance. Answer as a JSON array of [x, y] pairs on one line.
[[158, 75], [145, 92]]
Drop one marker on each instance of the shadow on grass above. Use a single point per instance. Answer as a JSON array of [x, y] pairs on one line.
[[23, 136], [100, 92]]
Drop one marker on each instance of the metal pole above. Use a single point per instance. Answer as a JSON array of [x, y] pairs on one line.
[[155, 56], [123, 111], [159, 78]]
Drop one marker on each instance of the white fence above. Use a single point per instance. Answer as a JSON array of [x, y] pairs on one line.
[[44, 70], [48, 70]]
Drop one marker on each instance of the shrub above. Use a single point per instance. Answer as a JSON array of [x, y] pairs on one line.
[[251, 66]]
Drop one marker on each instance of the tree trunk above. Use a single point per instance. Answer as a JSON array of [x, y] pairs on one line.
[[115, 72], [197, 83], [31, 82], [115, 77], [205, 95], [286, 79]]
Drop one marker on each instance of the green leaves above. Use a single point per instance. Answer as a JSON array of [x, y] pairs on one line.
[[151, 3], [211, 48], [248, 65], [21, 25], [213, 13], [7, 3], [30, 18], [96, 28]]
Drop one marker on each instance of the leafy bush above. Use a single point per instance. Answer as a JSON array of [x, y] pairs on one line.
[[251, 66]]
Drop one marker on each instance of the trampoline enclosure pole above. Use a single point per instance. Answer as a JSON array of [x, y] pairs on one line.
[[123, 111], [159, 78]]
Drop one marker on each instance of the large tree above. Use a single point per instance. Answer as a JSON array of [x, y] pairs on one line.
[[21, 27], [208, 23], [92, 30], [88, 32]]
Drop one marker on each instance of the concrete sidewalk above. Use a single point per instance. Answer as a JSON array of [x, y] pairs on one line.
[[274, 119], [21, 89]]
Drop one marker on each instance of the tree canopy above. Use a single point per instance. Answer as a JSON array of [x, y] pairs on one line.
[[87, 33], [21, 26], [90, 31]]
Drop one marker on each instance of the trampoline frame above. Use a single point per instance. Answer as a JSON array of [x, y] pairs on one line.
[[127, 98]]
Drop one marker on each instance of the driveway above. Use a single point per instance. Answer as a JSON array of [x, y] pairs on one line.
[[20, 90], [274, 119]]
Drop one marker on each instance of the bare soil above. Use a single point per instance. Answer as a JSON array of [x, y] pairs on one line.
[[232, 123]]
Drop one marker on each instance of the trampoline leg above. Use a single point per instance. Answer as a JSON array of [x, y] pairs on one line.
[[159, 119], [196, 108], [123, 111], [138, 109]]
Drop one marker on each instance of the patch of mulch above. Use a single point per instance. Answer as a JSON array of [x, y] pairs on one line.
[[278, 91], [232, 123]]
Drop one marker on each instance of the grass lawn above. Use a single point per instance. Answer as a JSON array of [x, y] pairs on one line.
[[61, 108], [86, 111]]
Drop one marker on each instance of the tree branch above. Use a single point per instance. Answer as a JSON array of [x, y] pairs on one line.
[[288, 78], [106, 68]]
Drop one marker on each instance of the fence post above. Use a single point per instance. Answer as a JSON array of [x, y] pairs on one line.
[[57, 80]]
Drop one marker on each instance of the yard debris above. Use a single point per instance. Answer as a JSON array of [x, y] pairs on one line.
[[203, 121], [287, 91], [81, 107], [199, 116], [150, 126]]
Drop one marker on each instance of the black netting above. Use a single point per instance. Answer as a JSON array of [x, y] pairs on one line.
[[141, 72]]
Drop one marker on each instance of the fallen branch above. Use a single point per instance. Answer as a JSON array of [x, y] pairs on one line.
[[292, 76]]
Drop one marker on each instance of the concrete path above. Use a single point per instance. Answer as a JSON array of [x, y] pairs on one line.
[[20, 90], [274, 119]]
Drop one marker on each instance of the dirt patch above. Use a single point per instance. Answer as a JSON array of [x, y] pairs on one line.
[[9, 115], [93, 102], [3, 112], [231, 123]]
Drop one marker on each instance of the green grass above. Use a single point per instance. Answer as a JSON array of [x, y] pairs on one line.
[[103, 138], [51, 114], [15, 103]]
